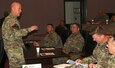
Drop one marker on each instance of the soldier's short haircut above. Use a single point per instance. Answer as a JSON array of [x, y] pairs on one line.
[[14, 3], [76, 24], [51, 25], [99, 30]]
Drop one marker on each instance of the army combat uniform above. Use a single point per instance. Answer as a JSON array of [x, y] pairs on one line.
[[13, 43], [109, 63], [73, 45], [100, 55], [52, 39]]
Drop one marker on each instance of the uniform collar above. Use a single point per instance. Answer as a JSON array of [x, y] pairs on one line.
[[76, 33], [112, 56], [106, 41], [50, 32], [13, 16]]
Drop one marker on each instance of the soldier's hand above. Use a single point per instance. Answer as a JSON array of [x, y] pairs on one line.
[[34, 28], [35, 43], [79, 61]]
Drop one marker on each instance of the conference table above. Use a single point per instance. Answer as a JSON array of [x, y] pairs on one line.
[[44, 57]]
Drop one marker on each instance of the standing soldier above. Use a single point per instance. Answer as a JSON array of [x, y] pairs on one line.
[[12, 36]]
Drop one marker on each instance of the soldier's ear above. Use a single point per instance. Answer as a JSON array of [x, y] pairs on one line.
[[78, 29]]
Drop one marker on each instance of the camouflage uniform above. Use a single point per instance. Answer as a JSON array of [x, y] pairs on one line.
[[100, 54], [12, 38], [110, 63], [52, 40], [74, 44]]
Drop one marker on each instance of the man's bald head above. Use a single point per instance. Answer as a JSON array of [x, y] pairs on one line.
[[16, 8]]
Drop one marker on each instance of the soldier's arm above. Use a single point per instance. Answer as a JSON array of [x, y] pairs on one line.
[[56, 41], [89, 59], [16, 28], [51, 41], [79, 44], [22, 32], [66, 48]]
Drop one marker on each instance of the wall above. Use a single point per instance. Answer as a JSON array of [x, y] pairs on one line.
[[94, 5], [41, 12], [38, 12]]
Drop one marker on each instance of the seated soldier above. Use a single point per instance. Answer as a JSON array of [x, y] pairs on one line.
[[51, 39], [73, 45], [62, 31], [75, 42], [88, 26], [101, 17], [100, 53], [110, 62]]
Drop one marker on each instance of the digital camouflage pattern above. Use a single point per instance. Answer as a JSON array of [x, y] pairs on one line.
[[52, 39], [100, 56], [13, 43], [74, 44], [109, 63]]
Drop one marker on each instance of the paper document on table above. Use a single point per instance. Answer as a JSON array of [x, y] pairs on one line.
[[32, 66], [62, 65], [44, 54], [45, 49]]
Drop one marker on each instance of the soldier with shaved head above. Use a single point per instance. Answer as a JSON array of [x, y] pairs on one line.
[[12, 36]]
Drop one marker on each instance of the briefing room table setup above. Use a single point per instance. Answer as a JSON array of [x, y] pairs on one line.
[[43, 56]]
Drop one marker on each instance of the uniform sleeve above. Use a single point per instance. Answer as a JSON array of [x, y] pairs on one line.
[[22, 32], [52, 41], [17, 31], [99, 66], [7, 32], [89, 59], [74, 46], [66, 48], [56, 41], [80, 44]]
